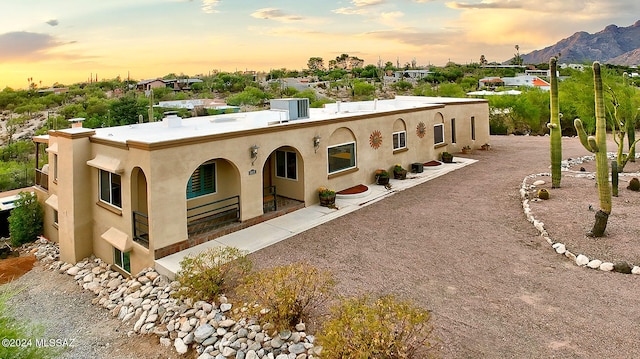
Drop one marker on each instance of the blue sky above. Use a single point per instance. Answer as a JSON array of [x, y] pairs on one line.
[[67, 40]]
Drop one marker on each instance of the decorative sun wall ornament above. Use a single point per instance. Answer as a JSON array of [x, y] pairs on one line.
[[421, 129], [375, 140]]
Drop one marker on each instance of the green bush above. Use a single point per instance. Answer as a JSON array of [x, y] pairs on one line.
[[12, 329], [286, 295], [26, 219], [210, 273], [383, 328]]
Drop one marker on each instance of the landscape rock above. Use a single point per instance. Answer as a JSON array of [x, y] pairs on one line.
[[181, 348], [606, 266], [203, 332], [582, 260], [595, 264]]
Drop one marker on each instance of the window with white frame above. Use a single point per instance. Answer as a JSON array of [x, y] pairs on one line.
[[399, 140], [438, 134], [202, 181], [122, 259], [110, 188], [286, 165], [341, 157]]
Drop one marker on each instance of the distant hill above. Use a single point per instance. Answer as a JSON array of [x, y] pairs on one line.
[[613, 45]]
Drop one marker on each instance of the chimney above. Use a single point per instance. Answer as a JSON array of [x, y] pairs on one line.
[[76, 122]]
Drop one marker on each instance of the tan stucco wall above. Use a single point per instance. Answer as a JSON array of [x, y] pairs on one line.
[[167, 170]]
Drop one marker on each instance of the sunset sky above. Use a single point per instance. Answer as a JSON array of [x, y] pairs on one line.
[[66, 41]]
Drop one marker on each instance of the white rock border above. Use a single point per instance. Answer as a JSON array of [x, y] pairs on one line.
[[145, 303], [580, 260]]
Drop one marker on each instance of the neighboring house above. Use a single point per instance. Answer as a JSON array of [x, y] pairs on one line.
[[490, 82], [526, 80], [579, 67], [133, 194], [183, 84], [146, 85]]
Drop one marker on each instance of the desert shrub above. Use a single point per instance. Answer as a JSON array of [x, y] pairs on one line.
[[215, 271], [382, 328], [12, 329], [634, 184], [286, 295], [26, 219]]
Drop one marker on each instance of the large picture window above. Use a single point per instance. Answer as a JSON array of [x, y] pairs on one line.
[[438, 134], [399, 140], [202, 181], [110, 188], [286, 165], [122, 259], [341, 157]]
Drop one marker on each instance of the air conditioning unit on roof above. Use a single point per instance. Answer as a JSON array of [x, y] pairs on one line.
[[295, 107]]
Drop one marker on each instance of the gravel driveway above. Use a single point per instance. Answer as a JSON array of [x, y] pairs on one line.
[[460, 246]]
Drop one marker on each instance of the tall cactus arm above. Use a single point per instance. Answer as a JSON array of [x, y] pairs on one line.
[[588, 142], [554, 127]]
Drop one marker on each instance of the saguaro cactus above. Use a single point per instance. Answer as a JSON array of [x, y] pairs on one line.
[[554, 127], [598, 145]]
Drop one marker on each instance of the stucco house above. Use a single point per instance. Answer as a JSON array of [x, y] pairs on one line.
[[133, 194]]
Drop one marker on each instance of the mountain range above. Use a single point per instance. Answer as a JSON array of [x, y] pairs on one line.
[[613, 45]]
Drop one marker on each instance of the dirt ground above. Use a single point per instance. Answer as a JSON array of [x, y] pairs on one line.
[[14, 267], [459, 246]]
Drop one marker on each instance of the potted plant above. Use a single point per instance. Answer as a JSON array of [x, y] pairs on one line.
[[446, 157], [327, 197], [382, 177], [399, 172], [466, 149]]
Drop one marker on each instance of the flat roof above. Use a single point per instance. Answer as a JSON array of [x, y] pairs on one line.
[[175, 128]]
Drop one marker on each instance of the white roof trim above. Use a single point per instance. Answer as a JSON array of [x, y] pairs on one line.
[[52, 201], [118, 239], [108, 164], [53, 148]]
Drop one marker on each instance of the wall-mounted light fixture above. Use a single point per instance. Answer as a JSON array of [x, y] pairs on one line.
[[316, 143], [254, 153]]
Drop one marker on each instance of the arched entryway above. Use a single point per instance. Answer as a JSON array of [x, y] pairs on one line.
[[139, 207], [213, 196], [283, 179]]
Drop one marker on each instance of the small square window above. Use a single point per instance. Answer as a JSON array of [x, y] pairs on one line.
[[110, 188], [399, 140]]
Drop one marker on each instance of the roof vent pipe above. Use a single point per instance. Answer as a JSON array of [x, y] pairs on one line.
[[172, 120]]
